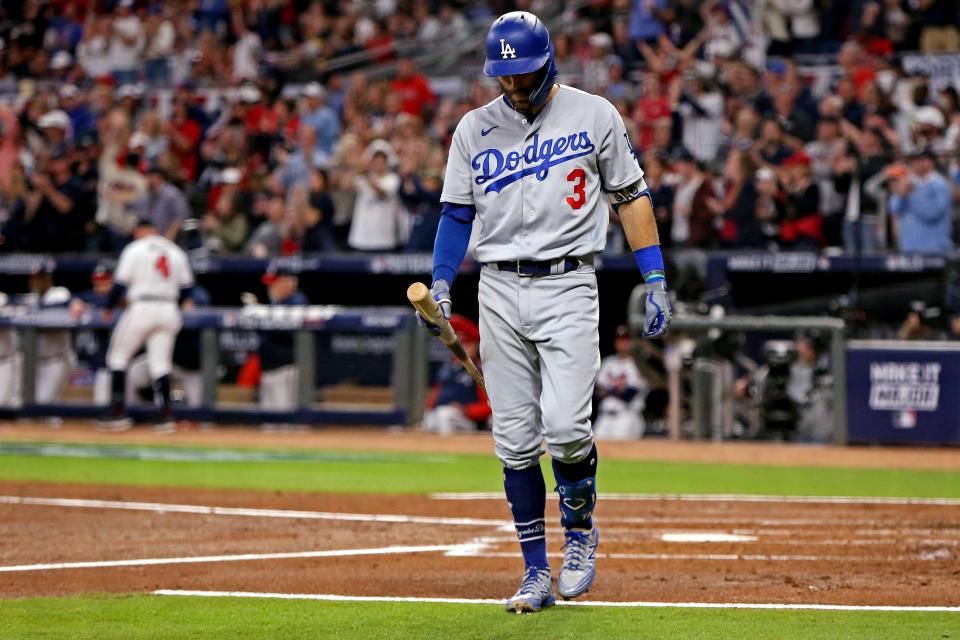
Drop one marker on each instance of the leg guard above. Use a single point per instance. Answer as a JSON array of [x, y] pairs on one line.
[[577, 501], [577, 486]]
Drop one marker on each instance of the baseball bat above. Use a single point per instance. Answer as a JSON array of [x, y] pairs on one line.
[[419, 296]]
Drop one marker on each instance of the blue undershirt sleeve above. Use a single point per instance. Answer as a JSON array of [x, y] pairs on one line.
[[453, 237]]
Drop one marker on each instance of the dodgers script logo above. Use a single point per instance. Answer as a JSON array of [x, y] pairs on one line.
[[538, 155]]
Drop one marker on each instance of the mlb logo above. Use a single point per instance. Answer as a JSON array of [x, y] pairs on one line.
[[905, 419]]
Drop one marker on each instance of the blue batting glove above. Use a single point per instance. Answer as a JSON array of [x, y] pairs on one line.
[[441, 293], [656, 309]]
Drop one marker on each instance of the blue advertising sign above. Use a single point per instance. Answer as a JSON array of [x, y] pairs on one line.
[[903, 392]]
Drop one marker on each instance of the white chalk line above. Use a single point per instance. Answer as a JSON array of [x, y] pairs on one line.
[[158, 507], [477, 547], [724, 557], [506, 525], [143, 562], [728, 497], [580, 603]]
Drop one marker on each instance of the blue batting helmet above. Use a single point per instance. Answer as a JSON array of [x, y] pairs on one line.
[[518, 42]]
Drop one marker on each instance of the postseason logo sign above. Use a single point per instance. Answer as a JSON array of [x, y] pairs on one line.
[[904, 386], [903, 392]]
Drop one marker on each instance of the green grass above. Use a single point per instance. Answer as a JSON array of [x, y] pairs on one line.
[[170, 618], [424, 473]]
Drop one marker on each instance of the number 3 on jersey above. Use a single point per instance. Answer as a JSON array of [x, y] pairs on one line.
[[163, 266], [579, 179]]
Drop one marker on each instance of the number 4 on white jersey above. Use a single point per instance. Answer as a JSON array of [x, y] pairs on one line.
[[506, 50]]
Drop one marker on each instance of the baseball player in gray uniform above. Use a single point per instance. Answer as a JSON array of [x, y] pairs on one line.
[[537, 167]]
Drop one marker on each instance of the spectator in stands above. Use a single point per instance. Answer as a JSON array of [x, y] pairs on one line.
[[53, 214], [741, 227], [321, 117], [378, 217], [661, 191], [653, 106], [55, 128], [164, 204], [317, 212], [921, 204], [183, 134], [270, 238], [801, 226], [824, 151], [864, 213], [159, 39], [82, 120], [248, 49], [127, 40], [741, 134], [308, 155], [420, 194], [225, 227], [938, 26], [648, 19], [795, 124], [120, 184], [456, 403], [770, 199], [93, 51], [687, 178], [413, 89], [701, 107], [770, 149]]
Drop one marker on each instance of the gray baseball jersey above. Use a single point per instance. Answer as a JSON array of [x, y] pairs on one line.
[[538, 187], [540, 190]]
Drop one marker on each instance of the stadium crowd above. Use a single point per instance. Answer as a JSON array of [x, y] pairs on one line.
[[229, 126]]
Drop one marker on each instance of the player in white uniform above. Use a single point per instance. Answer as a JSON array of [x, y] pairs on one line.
[[55, 355], [154, 274], [9, 363], [622, 391], [536, 167]]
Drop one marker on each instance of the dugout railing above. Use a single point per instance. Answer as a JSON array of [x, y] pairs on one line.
[[408, 375], [706, 413]]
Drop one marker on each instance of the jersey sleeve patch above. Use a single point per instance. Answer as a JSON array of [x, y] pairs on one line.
[[629, 193]]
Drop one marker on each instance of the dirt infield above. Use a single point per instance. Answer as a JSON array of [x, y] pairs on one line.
[[858, 553], [862, 554]]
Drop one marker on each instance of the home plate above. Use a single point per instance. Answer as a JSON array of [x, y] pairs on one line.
[[706, 536]]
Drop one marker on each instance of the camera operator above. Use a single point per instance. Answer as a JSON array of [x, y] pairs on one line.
[[791, 391]]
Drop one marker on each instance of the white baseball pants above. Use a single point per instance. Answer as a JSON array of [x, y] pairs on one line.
[[155, 324]]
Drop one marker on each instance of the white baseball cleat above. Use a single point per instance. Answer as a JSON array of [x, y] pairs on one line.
[[165, 427], [114, 425], [579, 562], [535, 592]]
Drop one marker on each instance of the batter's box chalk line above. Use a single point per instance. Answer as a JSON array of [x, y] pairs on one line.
[[580, 603]]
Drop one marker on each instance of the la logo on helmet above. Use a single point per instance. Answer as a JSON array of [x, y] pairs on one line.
[[506, 50]]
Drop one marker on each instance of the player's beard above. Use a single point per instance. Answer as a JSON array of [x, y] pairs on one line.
[[520, 97]]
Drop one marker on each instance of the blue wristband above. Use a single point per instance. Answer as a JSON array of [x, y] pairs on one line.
[[650, 261]]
